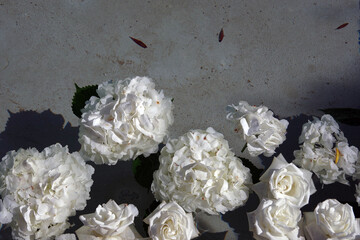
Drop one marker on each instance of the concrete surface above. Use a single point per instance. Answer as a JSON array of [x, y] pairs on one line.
[[287, 55]]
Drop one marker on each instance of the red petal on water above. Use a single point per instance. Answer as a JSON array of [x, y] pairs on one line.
[[221, 35], [138, 42], [342, 26]]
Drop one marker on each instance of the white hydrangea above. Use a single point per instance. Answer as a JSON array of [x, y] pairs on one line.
[[357, 193], [262, 132], [325, 151], [199, 171], [109, 221], [129, 118], [40, 190]]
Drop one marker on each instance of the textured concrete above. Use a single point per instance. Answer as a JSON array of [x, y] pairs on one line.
[[287, 55]]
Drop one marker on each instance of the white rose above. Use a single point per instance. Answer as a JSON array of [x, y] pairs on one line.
[[325, 151], [129, 118], [42, 189], [170, 221], [331, 220], [262, 132], [110, 221], [284, 180], [275, 219], [199, 171]]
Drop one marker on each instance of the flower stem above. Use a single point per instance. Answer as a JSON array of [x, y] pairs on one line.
[[243, 149]]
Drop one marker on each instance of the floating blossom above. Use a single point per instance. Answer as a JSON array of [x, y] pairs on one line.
[[262, 132], [357, 193], [325, 151], [199, 171], [285, 180], [331, 220], [68, 236], [110, 221], [275, 219], [170, 221], [129, 118], [40, 190]]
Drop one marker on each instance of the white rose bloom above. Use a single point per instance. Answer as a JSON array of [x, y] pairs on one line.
[[199, 171], [110, 221], [275, 219], [325, 151], [170, 221], [285, 180], [331, 220], [42, 189], [129, 118], [262, 132]]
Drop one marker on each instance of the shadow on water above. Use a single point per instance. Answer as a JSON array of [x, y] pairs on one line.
[[32, 129]]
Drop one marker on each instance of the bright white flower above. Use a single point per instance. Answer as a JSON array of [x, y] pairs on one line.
[[325, 151], [324, 132], [129, 118], [262, 132], [331, 220], [199, 171], [275, 219], [357, 193], [68, 236], [110, 221], [42, 189], [285, 180], [170, 221]]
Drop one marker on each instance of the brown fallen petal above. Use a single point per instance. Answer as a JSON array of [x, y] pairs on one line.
[[138, 42], [221, 35], [342, 26]]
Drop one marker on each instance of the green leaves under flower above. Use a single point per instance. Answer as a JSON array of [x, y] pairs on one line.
[[255, 172], [350, 116], [144, 167], [81, 95]]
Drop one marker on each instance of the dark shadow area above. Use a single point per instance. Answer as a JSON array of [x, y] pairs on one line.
[[32, 129]]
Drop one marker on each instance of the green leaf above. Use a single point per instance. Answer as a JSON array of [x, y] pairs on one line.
[[82, 94], [144, 167], [350, 116], [255, 172]]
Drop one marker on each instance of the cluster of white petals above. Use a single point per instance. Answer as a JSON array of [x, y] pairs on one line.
[[170, 221], [199, 171], [275, 219], [331, 220], [262, 132], [129, 118], [40, 190], [109, 221], [285, 180], [325, 151], [357, 193]]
